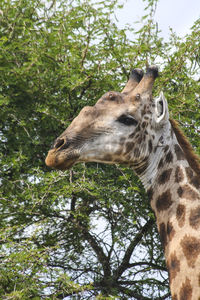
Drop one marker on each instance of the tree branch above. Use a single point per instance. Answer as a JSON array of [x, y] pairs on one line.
[[103, 259], [125, 261], [148, 264]]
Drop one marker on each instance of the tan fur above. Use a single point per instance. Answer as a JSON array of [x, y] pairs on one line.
[[192, 158]]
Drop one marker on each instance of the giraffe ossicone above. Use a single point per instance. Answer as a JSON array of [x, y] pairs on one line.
[[134, 129]]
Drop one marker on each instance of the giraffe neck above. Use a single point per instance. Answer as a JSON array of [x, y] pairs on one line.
[[174, 192]]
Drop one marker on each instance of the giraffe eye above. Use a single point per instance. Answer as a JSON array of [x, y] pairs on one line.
[[127, 120]]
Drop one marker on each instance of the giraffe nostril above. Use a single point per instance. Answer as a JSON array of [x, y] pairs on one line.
[[59, 143]]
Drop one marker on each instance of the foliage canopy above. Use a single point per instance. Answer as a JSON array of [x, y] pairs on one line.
[[89, 232]]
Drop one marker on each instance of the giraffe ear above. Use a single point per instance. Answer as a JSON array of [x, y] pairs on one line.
[[161, 109]]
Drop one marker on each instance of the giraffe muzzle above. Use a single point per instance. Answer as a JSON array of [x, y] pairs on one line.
[[60, 156]]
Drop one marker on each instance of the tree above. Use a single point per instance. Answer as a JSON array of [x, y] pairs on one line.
[[89, 232]]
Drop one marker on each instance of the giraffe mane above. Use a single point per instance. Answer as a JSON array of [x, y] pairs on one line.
[[192, 158]]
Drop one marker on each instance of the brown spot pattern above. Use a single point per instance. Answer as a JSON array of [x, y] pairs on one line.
[[139, 140], [166, 148], [150, 194], [189, 173], [160, 165], [180, 215], [169, 157], [186, 290], [179, 175], [185, 191], [191, 249], [173, 266], [150, 146], [144, 124], [129, 146], [193, 179], [194, 218], [179, 153], [170, 231], [132, 134], [164, 201], [165, 176], [163, 234]]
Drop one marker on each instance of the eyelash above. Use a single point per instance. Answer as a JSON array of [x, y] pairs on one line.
[[127, 120]]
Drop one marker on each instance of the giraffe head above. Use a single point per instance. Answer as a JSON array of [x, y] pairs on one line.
[[117, 129]]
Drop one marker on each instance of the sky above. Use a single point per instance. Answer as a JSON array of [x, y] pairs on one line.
[[180, 15]]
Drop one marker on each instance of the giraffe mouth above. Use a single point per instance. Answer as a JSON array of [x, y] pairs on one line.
[[59, 161]]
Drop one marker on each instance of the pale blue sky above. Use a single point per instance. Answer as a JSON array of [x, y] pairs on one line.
[[177, 14]]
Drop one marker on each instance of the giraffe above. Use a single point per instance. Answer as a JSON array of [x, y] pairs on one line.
[[134, 129]]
